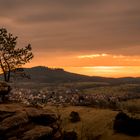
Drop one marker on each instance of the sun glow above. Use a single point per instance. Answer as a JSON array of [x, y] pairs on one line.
[[107, 71], [106, 65]]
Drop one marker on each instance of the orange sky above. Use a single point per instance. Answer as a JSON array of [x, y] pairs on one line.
[[94, 64], [87, 60], [94, 37], [107, 71]]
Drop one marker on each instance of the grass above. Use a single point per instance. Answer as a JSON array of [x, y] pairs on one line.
[[114, 90], [132, 106], [95, 124]]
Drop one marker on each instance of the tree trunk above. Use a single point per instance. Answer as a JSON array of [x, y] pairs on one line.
[[4, 73], [9, 71], [8, 76], [5, 77]]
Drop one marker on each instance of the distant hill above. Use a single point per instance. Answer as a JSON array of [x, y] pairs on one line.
[[45, 74], [42, 74]]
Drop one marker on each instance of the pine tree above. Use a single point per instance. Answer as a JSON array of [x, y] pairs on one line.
[[12, 57]]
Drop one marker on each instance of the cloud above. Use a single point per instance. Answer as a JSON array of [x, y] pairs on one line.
[[75, 26], [92, 55]]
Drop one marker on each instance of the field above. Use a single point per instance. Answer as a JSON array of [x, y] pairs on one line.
[[131, 106], [95, 124]]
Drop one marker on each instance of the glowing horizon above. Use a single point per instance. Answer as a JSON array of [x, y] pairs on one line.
[[103, 71], [93, 64], [108, 71]]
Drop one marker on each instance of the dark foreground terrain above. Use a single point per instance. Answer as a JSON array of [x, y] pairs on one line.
[[27, 123], [70, 111], [20, 122]]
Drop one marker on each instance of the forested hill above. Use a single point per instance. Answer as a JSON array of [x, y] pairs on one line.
[[42, 74]]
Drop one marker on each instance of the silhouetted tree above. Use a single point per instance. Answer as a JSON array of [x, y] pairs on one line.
[[10, 56]]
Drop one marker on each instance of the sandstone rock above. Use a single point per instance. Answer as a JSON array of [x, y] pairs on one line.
[[5, 114], [57, 136], [4, 91], [41, 117], [70, 135], [14, 121], [12, 138], [27, 123], [38, 132]]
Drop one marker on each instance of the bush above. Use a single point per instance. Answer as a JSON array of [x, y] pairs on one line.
[[74, 117], [125, 124]]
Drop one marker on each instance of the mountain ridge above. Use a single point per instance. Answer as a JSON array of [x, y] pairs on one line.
[[60, 75], [42, 74]]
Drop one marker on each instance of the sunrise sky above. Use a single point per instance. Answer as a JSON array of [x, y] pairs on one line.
[[93, 37]]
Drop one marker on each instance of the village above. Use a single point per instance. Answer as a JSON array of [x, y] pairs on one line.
[[67, 96]]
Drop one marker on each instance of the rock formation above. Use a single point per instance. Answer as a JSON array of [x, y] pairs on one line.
[[28, 123]]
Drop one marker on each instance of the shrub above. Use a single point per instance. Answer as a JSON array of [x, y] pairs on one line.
[[74, 117], [125, 124]]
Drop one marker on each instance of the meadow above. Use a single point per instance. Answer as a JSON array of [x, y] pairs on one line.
[[95, 124]]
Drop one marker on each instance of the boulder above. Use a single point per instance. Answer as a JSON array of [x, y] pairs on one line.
[[4, 91], [41, 117], [13, 121], [5, 114], [38, 132], [28, 123], [70, 135]]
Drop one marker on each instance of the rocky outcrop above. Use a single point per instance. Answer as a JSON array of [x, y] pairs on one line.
[[28, 123], [4, 91], [38, 132]]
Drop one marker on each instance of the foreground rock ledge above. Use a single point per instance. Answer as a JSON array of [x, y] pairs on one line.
[[18, 122]]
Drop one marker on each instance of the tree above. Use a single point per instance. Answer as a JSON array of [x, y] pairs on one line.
[[11, 57]]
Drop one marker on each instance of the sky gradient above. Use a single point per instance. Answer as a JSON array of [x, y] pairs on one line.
[[94, 37]]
